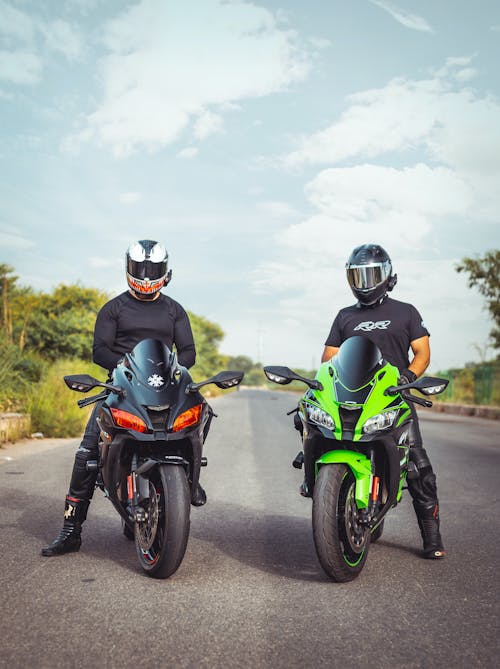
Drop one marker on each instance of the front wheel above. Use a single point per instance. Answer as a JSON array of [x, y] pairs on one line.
[[341, 542], [161, 538]]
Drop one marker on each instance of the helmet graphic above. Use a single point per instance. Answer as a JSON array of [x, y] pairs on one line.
[[147, 268]]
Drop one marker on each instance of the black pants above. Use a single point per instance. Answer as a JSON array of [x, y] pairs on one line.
[[82, 482], [421, 479]]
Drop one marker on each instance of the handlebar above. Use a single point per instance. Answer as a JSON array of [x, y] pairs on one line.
[[394, 390], [90, 400]]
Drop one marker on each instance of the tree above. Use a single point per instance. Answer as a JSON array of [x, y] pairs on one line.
[[484, 274], [207, 337]]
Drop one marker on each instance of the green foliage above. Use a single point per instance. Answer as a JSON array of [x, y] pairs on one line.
[[207, 337], [474, 384], [18, 373], [55, 325], [65, 322], [484, 274], [53, 406]]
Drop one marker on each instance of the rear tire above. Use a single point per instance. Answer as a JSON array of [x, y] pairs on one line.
[[341, 543], [161, 539]]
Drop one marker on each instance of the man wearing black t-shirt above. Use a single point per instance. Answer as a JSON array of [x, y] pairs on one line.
[[142, 312], [395, 327]]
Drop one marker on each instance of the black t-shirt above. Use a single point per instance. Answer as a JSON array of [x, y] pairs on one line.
[[124, 321], [392, 326]]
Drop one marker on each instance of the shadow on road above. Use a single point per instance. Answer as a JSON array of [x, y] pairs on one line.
[[276, 544]]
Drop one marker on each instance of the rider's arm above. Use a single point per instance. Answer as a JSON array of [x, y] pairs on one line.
[[329, 352], [184, 340], [104, 339], [421, 355]]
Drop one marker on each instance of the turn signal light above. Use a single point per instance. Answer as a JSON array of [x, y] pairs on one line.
[[187, 418], [128, 420]]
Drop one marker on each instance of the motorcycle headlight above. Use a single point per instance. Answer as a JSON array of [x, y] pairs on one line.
[[317, 415], [379, 422]]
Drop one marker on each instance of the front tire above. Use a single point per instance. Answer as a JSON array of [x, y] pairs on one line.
[[161, 539], [341, 542]]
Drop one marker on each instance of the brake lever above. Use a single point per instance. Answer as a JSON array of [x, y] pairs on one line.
[[91, 400], [416, 400]]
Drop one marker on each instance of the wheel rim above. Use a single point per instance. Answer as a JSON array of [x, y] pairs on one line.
[[353, 536], [148, 531]]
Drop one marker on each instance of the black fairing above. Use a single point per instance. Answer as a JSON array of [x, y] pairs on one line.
[[356, 362]]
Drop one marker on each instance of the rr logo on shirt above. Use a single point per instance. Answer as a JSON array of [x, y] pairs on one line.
[[368, 326]]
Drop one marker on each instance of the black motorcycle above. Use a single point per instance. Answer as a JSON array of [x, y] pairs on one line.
[[153, 422]]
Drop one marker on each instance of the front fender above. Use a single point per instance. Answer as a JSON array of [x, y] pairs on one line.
[[360, 466]]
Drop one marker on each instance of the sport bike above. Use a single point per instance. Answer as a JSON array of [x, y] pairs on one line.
[[355, 421], [153, 421]]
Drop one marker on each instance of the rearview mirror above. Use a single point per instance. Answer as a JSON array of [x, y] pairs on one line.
[[284, 376], [82, 383], [222, 380], [429, 385]]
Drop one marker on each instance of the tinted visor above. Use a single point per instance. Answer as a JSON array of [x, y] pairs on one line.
[[366, 277], [146, 269]]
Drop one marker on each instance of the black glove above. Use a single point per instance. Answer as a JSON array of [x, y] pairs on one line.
[[406, 376]]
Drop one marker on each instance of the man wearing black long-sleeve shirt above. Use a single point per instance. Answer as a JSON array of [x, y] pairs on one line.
[[142, 312]]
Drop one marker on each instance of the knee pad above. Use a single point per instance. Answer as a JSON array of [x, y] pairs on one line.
[[418, 456]]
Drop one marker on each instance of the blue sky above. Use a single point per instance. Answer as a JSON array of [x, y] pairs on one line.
[[260, 142]]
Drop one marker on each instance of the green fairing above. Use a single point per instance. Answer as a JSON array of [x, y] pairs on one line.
[[361, 468], [376, 402]]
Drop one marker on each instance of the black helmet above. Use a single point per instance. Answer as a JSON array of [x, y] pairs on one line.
[[369, 272], [147, 268]]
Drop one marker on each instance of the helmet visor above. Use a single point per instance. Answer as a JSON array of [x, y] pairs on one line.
[[367, 277], [146, 269]]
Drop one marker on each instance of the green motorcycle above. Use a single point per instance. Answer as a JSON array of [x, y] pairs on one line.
[[355, 421]]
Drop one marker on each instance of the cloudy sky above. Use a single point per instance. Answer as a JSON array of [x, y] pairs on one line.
[[260, 141]]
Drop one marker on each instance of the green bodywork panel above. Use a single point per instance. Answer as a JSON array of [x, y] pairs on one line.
[[376, 403], [361, 468]]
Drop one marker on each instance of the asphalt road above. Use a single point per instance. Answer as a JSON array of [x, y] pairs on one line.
[[250, 591]]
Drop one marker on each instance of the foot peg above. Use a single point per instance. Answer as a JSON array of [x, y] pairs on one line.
[[299, 460]]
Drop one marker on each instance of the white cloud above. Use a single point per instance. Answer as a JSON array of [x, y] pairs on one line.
[[466, 74], [13, 240], [453, 125], [62, 37], [20, 67], [15, 23], [406, 19], [207, 124], [166, 66], [188, 153], [130, 197], [277, 209]]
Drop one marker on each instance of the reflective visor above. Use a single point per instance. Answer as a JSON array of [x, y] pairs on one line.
[[366, 277], [146, 269]]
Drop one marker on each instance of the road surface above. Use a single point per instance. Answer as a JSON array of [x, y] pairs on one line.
[[250, 591]]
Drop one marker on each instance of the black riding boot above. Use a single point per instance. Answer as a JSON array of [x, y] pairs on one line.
[[69, 539], [428, 521]]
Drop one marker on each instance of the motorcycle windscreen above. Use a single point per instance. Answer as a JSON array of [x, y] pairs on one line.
[[152, 363], [356, 362]]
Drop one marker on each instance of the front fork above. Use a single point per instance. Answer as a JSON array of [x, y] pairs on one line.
[[366, 515], [134, 485]]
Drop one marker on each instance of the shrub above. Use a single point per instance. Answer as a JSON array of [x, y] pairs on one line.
[[53, 407]]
